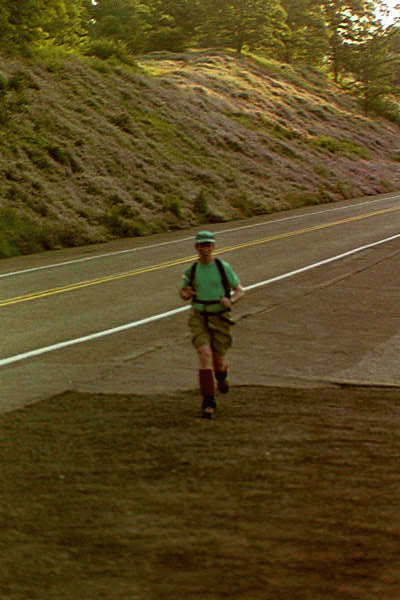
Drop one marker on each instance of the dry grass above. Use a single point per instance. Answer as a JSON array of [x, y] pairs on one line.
[[90, 150]]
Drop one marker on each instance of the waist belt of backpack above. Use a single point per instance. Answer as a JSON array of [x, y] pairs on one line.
[[219, 313], [195, 300]]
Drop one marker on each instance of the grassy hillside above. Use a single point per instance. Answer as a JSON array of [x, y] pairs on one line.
[[90, 151]]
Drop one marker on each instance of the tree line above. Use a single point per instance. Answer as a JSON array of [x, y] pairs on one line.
[[346, 37]]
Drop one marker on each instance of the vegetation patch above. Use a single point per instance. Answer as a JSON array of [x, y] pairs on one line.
[[280, 131], [297, 199], [12, 95], [24, 236], [335, 146], [200, 206], [135, 154], [246, 206], [245, 120], [396, 156], [122, 220], [173, 204]]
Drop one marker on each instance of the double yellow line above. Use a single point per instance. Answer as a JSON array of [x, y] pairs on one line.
[[173, 263]]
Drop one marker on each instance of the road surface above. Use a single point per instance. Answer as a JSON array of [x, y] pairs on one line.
[[322, 296], [290, 492]]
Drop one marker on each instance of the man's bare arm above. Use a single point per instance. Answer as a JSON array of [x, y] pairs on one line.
[[186, 293], [238, 293]]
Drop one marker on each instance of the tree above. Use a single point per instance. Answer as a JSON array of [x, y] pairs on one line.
[[173, 24], [22, 22], [348, 23], [26, 22], [375, 66], [307, 36], [68, 25], [237, 23], [121, 20]]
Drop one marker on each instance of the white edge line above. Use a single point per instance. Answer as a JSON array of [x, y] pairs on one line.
[[321, 263], [187, 239], [90, 337], [100, 334]]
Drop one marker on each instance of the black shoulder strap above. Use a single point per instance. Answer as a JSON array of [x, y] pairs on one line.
[[192, 274], [225, 282]]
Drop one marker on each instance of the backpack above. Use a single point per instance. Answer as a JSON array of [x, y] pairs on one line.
[[224, 280]]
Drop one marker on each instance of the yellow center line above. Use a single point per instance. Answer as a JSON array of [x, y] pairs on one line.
[[172, 263], [91, 282]]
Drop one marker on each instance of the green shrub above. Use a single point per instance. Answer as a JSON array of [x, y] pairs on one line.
[[335, 146], [37, 157], [297, 199], [170, 39], [16, 84], [63, 157], [321, 170], [173, 204], [105, 50], [58, 154], [246, 206], [387, 107], [200, 205], [19, 236], [119, 222], [232, 144]]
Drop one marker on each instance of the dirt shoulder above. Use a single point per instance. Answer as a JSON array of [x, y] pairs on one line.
[[288, 493]]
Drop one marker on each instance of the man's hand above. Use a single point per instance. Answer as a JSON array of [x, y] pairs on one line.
[[227, 302], [238, 293], [186, 293]]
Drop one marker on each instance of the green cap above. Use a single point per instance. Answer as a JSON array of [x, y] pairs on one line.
[[204, 237]]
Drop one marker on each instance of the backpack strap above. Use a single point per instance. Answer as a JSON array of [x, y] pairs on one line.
[[192, 274], [225, 282]]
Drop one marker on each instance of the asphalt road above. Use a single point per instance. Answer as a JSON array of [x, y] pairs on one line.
[[323, 289]]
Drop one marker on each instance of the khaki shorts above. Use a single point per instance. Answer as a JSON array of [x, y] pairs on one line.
[[210, 329]]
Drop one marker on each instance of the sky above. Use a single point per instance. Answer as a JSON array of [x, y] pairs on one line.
[[391, 4]]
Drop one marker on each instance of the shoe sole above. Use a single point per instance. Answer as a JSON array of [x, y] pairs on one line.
[[223, 388], [208, 413]]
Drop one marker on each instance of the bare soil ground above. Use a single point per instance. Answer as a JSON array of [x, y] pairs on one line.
[[287, 494]]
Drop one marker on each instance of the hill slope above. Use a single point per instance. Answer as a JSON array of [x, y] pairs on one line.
[[89, 151]]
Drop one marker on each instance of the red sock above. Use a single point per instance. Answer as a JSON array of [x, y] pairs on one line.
[[206, 379]]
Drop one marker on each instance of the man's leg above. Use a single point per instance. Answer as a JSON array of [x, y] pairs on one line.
[[221, 372], [221, 342], [206, 380]]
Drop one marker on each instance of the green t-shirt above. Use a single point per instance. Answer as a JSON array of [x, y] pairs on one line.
[[208, 284]]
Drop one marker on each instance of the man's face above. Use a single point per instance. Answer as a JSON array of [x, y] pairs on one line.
[[205, 250]]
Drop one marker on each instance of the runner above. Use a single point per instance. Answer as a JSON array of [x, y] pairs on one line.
[[208, 284]]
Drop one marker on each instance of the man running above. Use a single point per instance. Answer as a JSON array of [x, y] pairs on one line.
[[208, 284]]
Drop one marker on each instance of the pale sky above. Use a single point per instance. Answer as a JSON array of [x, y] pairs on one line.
[[394, 13]]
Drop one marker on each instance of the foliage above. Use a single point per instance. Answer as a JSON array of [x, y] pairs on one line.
[[239, 23], [24, 236], [200, 206], [24, 22], [306, 38], [14, 88], [173, 205], [106, 49], [349, 23], [120, 20], [335, 146], [345, 34], [375, 68]]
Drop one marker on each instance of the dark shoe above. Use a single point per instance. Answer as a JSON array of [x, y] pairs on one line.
[[208, 407], [208, 413], [222, 382]]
